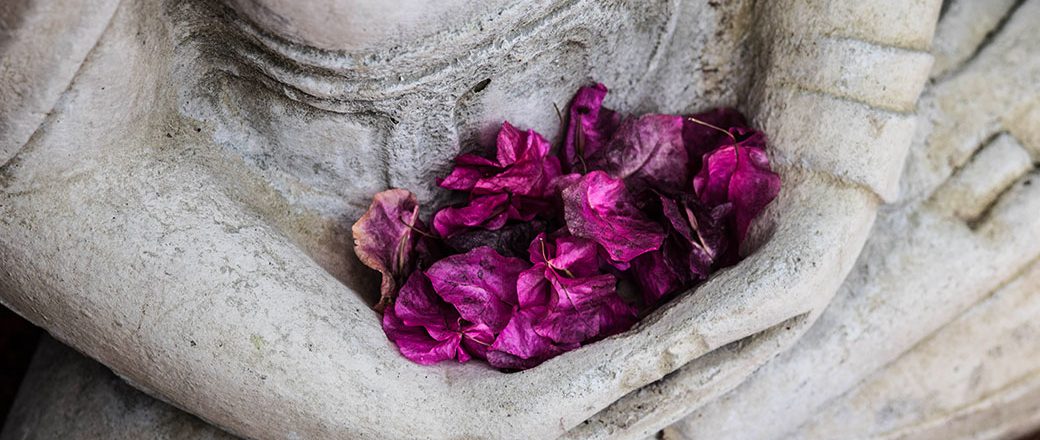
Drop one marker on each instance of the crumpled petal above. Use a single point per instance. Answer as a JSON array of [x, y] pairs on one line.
[[697, 241], [739, 174], [384, 239], [467, 173], [700, 230], [585, 308], [519, 346], [476, 340], [590, 126], [575, 256], [526, 168], [660, 273], [520, 184], [481, 284], [487, 212], [420, 324], [701, 139], [514, 146], [599, 207], [649, 150]]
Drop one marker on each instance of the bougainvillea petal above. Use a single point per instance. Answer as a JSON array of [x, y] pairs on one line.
[[488, 212], [583, 309], [515, 146], [599, 207], [532, 288], [700, 230], [575, 256], [590, 126], [416, 344], [384, 239], [476, 340], [519, 339], [739, 174], [418, 305], [649, 150], [525, 167], [420, 323], [702, 134], [531, 178], [659, 273], [481, 284]]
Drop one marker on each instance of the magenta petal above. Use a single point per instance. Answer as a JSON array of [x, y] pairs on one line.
[[526, 170], [583, 309], [532, 178], [461, 179], [469, 168], [701, 139], [488, 212], [650, 150], [416, 344], [598, 207], [738, 174], [659, 273], [476, 340], [516, 146], [519, 339], [590, 126], [481, 284], [418, 305], [384, 239], [532, 288], [422, 325], [576, 256]]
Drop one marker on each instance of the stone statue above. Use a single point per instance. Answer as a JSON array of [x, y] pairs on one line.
[[178, 180]]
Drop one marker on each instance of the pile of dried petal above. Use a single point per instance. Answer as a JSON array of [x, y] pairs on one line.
[[531, 265]]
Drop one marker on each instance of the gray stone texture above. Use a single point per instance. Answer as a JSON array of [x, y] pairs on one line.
[[178, 179]]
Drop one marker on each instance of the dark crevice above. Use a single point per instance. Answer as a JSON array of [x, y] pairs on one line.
[[986, 41]]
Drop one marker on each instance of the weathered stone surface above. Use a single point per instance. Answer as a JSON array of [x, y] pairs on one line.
[[977, 377], [181, 215], [68, 396], [965, 227]]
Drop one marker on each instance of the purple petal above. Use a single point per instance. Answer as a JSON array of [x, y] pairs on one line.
[[416, 344], [584, 309], [418, 305], [384, 239], [598, 207], [469, 168], [481, 284], [589, 127], [701, 139], [420, 324], [650, 150], [659, 273], [488, 212], [532, 288], [532, 178], [476, 340], [516, 146], [576, 256], [739, 174], [519, 339]]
